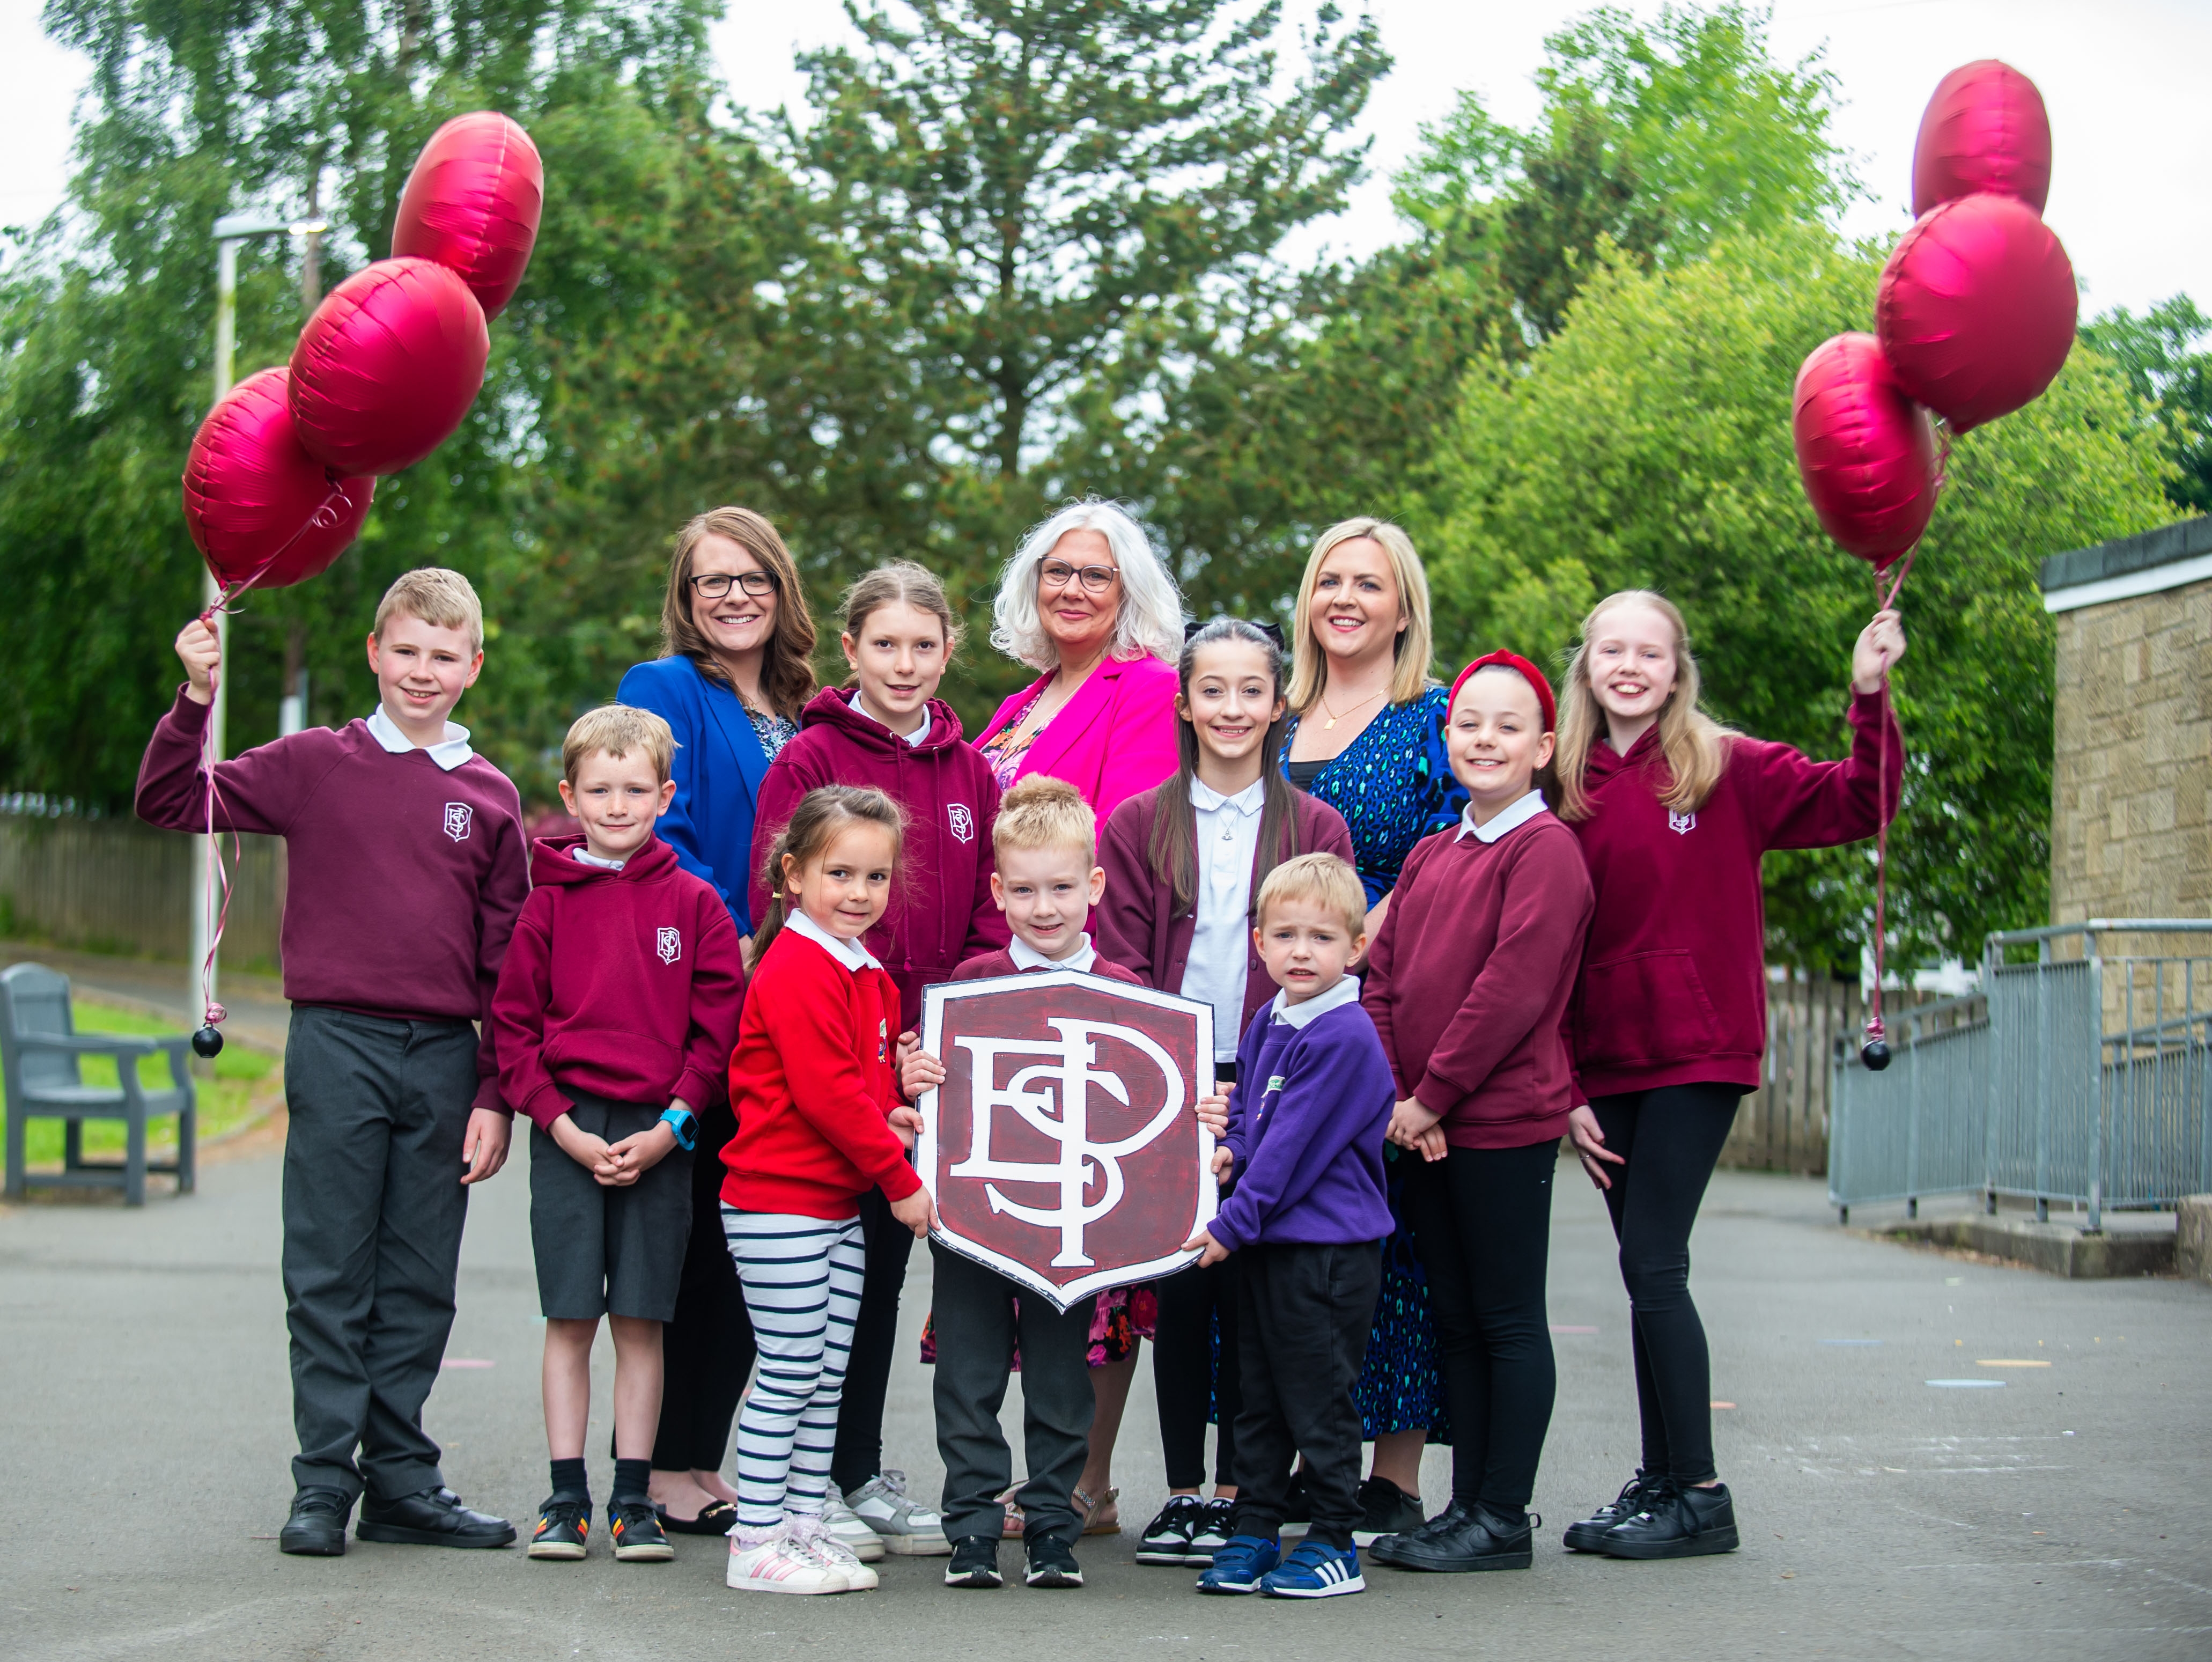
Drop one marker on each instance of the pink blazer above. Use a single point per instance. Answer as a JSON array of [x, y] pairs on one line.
[[1117, 737]]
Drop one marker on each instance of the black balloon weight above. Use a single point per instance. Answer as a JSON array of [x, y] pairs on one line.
[[1875, 1054], [208, 1042]]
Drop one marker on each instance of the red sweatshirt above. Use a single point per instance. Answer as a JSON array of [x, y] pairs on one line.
[[1002, 962], [623, 982], [1469, 975], [941, 909], [812, 1081], [405, 877], [1673, 979]]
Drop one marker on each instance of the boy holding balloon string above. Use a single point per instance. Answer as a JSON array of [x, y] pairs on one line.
[[408, 867]]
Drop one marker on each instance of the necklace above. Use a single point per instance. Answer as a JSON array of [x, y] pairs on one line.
[[1336, 715]]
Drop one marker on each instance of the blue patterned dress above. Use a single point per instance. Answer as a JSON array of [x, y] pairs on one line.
[[1394, 785]]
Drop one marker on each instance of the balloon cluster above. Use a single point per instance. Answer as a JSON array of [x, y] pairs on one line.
[[282, 471]]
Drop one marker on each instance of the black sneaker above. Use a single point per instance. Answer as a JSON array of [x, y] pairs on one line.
[[1467, 1538], [1583, 1535], [1385, 1549], [1675, 1521], [434, 1518], [974, 1564], [1051, 1563], [1297, 1505], [317, 1527], [1213, 1534], [564, 1526], [1166, 1540], [1385, 1509], [634, 1528]]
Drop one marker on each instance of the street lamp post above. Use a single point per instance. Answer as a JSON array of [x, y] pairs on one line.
[[229, 231]]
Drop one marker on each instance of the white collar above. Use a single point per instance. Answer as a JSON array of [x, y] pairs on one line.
[[1346, 991], [1027, 957], [1206, 798], [448, 753], [913, 739], [1511, 819], [851, 953], [584, 855]]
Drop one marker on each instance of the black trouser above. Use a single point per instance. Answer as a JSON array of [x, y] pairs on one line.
[[1482, 1223], [1303, 1314], [1671, 1139], [858, 1455], [708, 1351], [980, 1316], [373, 1206], [1184, 1378]]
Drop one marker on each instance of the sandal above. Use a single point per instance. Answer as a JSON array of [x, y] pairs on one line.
[[1089, 1509], [714, 1519]]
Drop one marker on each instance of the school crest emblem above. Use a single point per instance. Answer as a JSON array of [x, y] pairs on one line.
[[963, 822], [1681, 823], [1063, 1150], [458, 816], [671, 944]]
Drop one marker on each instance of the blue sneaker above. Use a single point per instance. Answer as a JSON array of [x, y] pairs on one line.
[[1241, 1565], [1316, 1570]]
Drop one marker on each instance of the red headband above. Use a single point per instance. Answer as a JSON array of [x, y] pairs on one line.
[[1503, 660]]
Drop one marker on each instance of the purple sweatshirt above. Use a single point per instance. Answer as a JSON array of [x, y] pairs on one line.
[[1313, 1099], [405, 878]]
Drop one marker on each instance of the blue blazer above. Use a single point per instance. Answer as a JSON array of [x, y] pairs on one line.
[[717, 768]]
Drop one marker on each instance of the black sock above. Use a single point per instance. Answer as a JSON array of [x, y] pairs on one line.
[[631, 1477], [569, 1482]]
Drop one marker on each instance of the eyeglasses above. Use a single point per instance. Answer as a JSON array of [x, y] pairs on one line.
[[1095, 578], [713, 585]]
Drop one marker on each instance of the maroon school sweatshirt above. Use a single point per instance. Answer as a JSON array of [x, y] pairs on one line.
[[404, 879], [622, 983], [1469, 975], [941, 910], [1672, 989]]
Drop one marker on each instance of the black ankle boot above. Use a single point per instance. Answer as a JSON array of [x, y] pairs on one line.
[[1481, 1537], [1675, 1521]]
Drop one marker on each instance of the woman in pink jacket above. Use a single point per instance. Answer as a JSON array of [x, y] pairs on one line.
[[1668, 1021]]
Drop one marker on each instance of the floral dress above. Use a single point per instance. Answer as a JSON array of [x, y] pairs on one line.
[[1394, 785]]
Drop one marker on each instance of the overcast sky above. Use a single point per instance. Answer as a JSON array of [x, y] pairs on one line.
[[2125, 80]]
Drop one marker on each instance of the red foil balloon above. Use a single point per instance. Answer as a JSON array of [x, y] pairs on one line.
[[1866, 452], [1977, 308], [387, 367], [473, 203], [260, 507], [1985, 130]]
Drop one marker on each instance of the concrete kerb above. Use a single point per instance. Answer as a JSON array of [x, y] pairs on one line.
[[2192, 1238], [2057, 1249]]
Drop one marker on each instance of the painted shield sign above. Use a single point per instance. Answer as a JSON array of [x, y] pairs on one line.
[[1064, 1148]]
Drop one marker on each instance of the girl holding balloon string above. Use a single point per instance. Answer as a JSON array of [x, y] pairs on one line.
[[1667, 1021]]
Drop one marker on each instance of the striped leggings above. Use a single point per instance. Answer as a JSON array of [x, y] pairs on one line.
[[802, 1284]]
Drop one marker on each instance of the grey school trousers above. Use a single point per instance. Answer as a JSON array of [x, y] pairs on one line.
[[373, 1206]]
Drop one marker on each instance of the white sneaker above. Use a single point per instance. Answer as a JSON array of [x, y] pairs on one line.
[[905, 1527], [780, 1564], [852, 1532], [812, 1535]]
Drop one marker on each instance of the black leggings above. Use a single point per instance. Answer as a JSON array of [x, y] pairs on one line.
[[1654, 1201], [707, 1348], [1482, 1223], [1183, 1376], [858, 1455]]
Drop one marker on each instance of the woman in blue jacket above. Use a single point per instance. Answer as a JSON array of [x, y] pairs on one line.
[[735, 671]]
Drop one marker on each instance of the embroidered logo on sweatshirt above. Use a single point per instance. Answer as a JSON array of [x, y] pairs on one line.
[[1681, 823], [671, 945], [458, 815], [963, 822]]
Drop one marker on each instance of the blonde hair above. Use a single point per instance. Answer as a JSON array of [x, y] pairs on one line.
[[1327, 880], [822, 813], [436, 596], [1693, 746], [1044, 812], [1148, 622], [616, 730], [1309, 665], [787, 678]]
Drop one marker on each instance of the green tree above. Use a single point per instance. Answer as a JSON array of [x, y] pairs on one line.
[[2161, 354]]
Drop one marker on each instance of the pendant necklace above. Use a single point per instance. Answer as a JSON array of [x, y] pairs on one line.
[[1335, 715]]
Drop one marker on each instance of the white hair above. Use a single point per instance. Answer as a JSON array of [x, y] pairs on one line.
[[1150, 620]]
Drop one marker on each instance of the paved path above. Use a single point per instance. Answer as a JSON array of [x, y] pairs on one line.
[[143, 1386]]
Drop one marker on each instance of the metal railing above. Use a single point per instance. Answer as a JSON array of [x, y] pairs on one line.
[[2083, 1080]]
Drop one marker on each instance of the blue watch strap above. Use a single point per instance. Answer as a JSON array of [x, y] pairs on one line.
[[684, 1123]]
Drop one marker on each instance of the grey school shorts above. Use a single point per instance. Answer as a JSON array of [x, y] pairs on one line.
[[607, 1251]]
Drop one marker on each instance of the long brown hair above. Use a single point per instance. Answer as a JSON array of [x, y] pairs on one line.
[[814, 825], [1174, 846], [1693, 745], [786, 679]]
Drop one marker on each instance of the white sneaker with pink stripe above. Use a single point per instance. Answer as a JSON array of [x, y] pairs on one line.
[[780, 1564]]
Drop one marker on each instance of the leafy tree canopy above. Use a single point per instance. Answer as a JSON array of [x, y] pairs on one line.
[[2162, 354]]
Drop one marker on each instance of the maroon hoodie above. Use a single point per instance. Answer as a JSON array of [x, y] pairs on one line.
[[626, 983], [941, 910], [1673, 989]]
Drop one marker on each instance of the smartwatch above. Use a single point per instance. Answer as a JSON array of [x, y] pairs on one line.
[[684, 1123]]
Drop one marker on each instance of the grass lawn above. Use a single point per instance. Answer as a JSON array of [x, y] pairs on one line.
[[224, 1102]]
